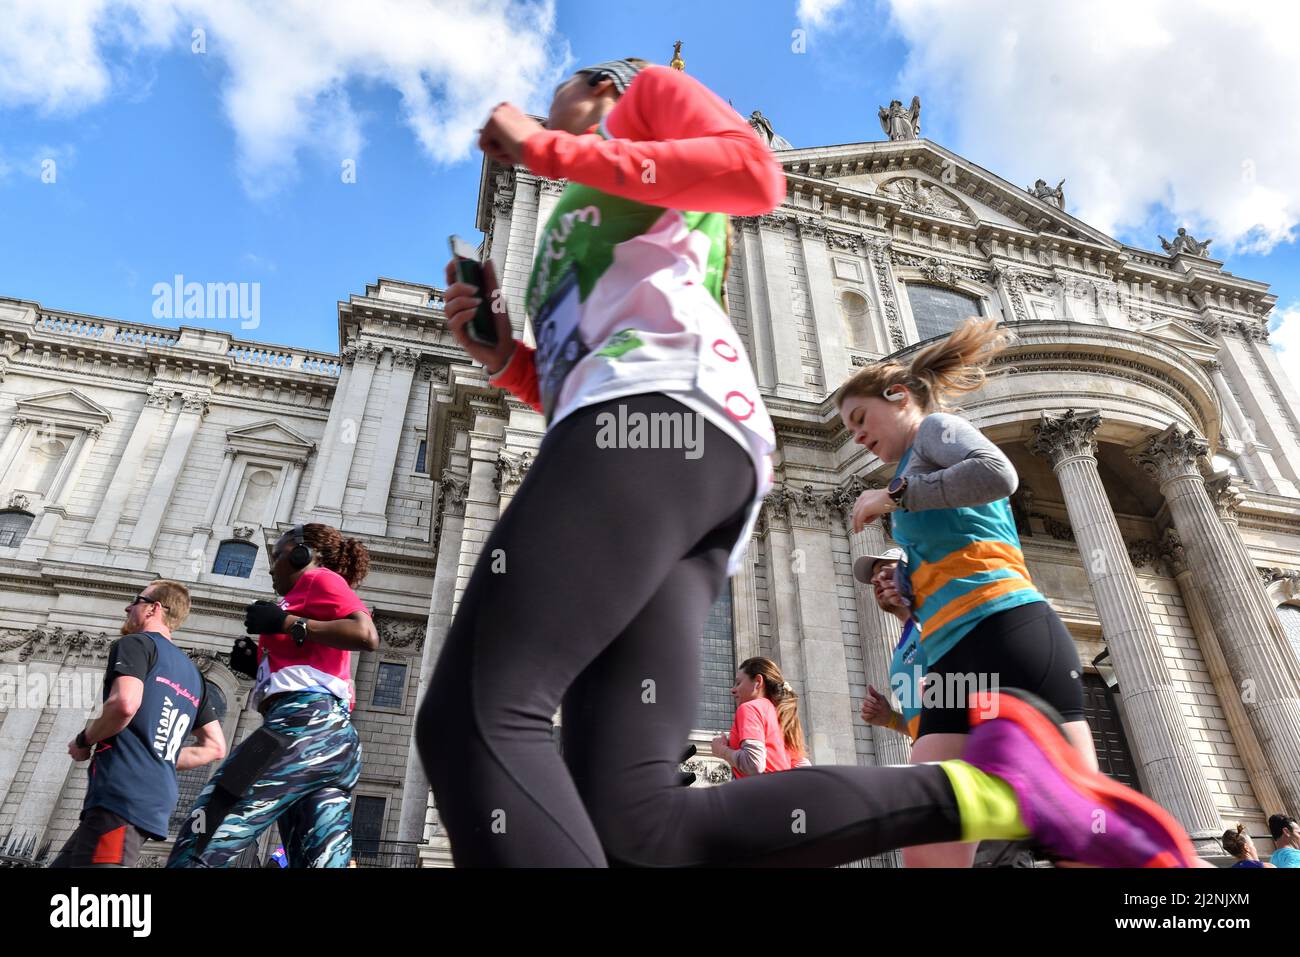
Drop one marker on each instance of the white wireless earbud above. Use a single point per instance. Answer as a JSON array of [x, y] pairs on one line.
[[895, 396]]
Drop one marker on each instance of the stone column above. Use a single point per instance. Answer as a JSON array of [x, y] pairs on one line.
[[780, 319], [782, 599], [128, 467], [1251, 635], [336, 469], [1265, 466], [1162, 744], [1243, 735], [17, 439], [746, 244], [284, 510], [879, 631], [40, 797], [19, 721], [744, 609], [882, 278], [821, 295], [193, 408], [449, 512], [1241, 356], [332, 426], [374, 504], [826, 706]]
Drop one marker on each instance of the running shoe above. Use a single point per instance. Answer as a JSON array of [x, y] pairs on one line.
[[1072, 811]]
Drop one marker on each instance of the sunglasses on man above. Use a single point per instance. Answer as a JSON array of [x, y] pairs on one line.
[[142, 599]]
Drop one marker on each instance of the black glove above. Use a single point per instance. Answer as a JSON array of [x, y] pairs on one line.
[[264, 618], [243, 657]]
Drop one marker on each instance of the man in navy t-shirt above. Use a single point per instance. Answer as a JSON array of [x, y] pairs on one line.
[[154, 698]]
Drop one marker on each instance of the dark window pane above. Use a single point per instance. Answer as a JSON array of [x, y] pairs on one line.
[[390, 682], [1113, 756], [367, 827], [189, 784], [235, 558], [937, 311], [419, 456], [13, 527], [717, 667]]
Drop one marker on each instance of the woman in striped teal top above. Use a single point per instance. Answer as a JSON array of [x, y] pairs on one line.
[[983, 623]]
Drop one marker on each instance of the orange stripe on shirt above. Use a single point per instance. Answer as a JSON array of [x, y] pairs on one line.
[[968, 560], [969, 601]]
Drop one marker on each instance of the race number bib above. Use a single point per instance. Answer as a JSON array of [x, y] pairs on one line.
[[559, 346]]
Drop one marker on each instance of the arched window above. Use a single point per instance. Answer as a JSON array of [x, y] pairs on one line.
[[937, 310], [1290, 615], [235, 558], [717, 666], [13, 527]]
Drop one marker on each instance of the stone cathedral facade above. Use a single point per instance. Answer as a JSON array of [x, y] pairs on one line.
[[1156, 437]]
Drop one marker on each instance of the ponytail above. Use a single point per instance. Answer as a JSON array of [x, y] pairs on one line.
[[938, 373], [778, 691], [1234, 841]]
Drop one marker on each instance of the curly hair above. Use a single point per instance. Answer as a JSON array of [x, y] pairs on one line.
[[347, 556]]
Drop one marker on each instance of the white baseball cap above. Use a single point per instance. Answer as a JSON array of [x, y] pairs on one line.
[[865, 565]]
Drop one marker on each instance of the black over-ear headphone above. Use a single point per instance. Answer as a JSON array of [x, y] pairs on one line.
[[301, 555], [595, 77]]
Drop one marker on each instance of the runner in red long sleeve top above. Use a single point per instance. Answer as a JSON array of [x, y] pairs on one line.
[[670, 142]]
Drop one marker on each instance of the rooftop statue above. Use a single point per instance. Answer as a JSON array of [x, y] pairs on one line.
[[899, 123]]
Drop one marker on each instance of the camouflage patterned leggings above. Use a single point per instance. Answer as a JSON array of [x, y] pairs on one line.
[[308, 789]]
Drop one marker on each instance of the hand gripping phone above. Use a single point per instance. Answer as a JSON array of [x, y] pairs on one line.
[[483, 327]]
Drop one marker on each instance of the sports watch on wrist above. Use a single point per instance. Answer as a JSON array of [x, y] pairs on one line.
[[299, 632], [897, 487], [81, 739]]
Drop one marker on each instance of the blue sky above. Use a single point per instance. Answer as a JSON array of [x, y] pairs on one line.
[[209, 164]]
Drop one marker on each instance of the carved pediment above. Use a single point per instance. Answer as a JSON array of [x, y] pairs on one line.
[[270, 437], [948, 183], [65, 406], [917, 193], [1200, 347]]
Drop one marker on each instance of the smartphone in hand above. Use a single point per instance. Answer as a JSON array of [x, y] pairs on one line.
[[483, 327]]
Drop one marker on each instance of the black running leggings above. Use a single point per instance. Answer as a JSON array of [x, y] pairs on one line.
[[612, 559]]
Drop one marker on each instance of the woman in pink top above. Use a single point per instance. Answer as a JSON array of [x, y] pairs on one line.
[[766, 734]]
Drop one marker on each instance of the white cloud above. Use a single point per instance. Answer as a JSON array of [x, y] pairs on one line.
[[1284, 334], [289, 65], [817, 13], [1185, 103]]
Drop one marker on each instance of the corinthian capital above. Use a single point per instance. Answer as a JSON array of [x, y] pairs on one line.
[[453, 487], [1060, 437], [1225, 496], [1172, 454]]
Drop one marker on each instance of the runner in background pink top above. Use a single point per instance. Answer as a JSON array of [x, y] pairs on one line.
[[766, 734], [320, 594]]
